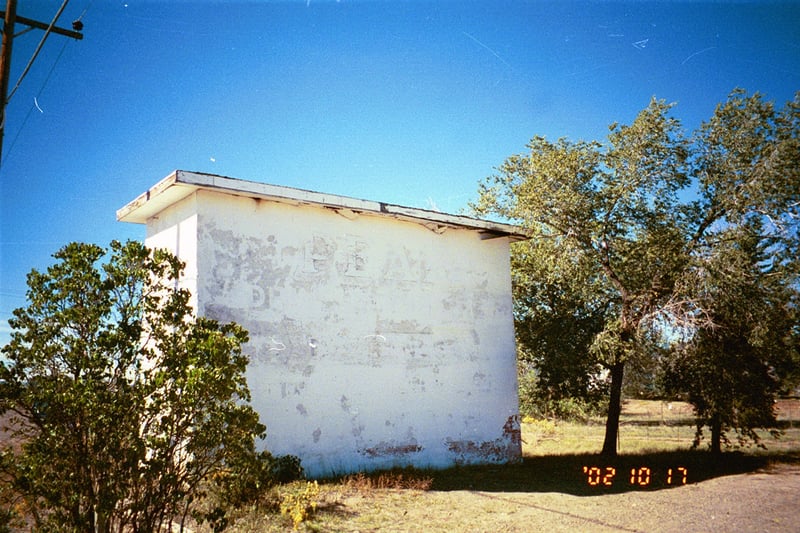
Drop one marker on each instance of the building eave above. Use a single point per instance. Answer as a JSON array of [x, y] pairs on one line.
[[181, 184]]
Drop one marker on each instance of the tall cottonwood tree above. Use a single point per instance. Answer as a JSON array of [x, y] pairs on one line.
[[636, 216], [125, 404]]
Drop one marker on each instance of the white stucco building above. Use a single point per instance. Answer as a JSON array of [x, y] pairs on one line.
[[380, 335]]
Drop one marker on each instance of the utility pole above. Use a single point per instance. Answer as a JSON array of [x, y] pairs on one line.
[[5, 64], [10, 19]]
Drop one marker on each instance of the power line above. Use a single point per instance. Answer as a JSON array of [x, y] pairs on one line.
[[38, 49], [33, 106], [10, 19]]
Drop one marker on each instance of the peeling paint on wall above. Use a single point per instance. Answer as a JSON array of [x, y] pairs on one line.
[[361, 327], [392, 449], [501, 450]]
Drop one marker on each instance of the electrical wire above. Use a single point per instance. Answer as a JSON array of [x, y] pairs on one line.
[[79, 19], [47, 78], [36, 98], [38, 49]]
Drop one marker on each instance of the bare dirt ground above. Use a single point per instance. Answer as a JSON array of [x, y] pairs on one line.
[[766, 500]]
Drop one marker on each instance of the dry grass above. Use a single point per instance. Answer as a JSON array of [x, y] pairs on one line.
[[498, 497], [405, 479], [549, 481]]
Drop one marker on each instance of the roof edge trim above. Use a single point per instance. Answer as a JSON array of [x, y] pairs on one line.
[[181, 183]]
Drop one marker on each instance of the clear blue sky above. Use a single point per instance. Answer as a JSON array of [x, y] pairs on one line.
[[405, 102]]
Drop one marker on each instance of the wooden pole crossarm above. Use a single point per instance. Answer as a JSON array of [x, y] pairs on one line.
[[42, 26]]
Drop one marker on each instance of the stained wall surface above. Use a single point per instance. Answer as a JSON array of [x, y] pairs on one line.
[[374, 342]]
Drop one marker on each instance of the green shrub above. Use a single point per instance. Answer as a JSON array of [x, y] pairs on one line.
[[537, 403], [286, 468], [250, 479]]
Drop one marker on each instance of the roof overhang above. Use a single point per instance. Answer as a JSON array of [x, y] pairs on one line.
[[181, 184]]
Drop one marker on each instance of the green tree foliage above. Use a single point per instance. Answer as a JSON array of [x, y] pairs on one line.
[[554, 325], [127, 406], [623, 229], [731, 372], [745, 271]]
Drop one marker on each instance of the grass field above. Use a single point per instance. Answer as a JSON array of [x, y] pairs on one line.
[[648, 426], [560, 461]]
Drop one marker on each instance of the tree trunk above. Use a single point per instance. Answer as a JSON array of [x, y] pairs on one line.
[[716, 435], [614, 410]]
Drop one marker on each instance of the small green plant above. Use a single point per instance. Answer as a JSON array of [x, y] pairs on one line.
[[301, 505]]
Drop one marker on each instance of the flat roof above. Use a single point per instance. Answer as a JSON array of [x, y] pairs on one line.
[[181, 184]]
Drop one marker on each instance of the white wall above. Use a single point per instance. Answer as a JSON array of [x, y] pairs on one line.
[[176, 229], [374, 342]]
